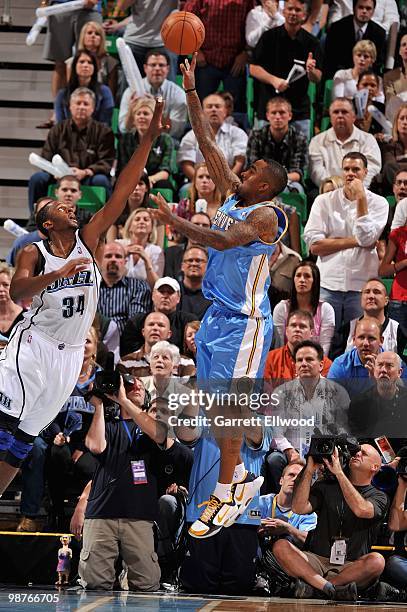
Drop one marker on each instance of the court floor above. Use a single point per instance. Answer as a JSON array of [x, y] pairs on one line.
[[73, 599]]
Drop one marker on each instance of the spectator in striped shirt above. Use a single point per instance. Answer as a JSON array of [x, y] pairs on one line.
[[120, 297]]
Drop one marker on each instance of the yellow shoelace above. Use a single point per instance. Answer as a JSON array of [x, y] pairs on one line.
[[212, 505]]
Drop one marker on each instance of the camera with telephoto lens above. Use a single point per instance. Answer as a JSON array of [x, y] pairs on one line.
[[107, 381], [323, 447]]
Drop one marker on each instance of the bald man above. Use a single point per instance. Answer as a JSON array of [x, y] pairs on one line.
[[338, 560], [382, 409]]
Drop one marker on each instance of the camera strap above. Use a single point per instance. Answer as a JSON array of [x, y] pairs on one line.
[[129, 435]]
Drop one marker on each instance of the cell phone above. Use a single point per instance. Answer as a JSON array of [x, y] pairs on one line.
[[385, 449]]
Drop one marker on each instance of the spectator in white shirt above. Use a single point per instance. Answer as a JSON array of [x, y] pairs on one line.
[[263, 17], [327, 149], [230, 139], [157, 67], [400, 193], [345, 81], [343, 228]]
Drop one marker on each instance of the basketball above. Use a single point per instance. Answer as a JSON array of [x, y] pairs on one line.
[[183, 33]]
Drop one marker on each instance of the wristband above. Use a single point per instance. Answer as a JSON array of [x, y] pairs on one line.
[[189, 90]]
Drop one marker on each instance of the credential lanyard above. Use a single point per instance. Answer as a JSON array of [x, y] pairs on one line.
[[129, 435]]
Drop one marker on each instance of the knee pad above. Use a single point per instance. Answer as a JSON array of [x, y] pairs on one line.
[[20, 447]]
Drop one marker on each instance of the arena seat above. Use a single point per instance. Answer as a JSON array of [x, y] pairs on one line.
[[93, 197]]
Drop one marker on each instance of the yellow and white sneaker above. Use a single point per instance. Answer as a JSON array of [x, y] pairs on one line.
[[242, 494], [213, 518]]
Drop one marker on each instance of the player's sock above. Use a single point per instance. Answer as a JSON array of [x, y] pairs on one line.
[[239, 473], [223, 491]]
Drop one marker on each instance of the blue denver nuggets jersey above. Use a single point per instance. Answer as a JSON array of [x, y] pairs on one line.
[[238, 278]]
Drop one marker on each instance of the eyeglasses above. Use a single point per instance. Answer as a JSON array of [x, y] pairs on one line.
[[156, 65], [400, 182]]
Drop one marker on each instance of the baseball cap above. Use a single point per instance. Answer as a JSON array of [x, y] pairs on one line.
[[170, 282]]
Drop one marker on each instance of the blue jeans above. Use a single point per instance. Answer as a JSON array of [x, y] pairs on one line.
[[33, 479], [396, 570], [208, 79], [398, 311], [40, 181], [346, 305]]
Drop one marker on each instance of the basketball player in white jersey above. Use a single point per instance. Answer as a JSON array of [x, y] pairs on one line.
[[41, 364], [236, 332]]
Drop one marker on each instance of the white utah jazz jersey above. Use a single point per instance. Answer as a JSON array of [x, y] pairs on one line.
[[65, 310]]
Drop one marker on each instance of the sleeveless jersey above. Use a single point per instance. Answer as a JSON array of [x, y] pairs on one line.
[[65, 310], [238, 279]]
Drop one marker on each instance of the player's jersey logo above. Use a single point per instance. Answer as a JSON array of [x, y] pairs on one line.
[[80, 279], [223, 221]]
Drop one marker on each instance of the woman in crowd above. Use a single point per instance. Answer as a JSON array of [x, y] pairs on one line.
[[168, 370], [263, 17], [138, 199], [304, 295], [10, 313], [202, 188], [92, 38], [85, 74], [68, 455], [395, 264], [159, 161], [145, 260], [395, 81], [370, 81], [394, 153], [331, 183], [345, 81], [189, 339]]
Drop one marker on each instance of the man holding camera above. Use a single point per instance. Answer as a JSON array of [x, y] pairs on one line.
[[349, 510], [122, 504]]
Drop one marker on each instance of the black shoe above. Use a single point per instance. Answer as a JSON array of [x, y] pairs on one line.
[[348, 592], [303, 590], [386, 592]]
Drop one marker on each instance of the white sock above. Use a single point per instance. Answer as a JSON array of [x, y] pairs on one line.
[[239, 473], [223, 491]]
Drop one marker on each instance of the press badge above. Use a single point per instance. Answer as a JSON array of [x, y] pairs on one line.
[[338, 552], [138, 469]]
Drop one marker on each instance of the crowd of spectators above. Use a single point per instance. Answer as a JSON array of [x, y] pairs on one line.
[[338, 295]]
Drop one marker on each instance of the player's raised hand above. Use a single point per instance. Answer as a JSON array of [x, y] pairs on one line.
[[188, 72], [163, 212], [158, 122], [72, 267]]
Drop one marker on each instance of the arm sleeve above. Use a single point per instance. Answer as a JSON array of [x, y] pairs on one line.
[[368, 228], [327, 326], [167, 145], [178, 115], [400, 214], [105, 153], [157, 261], [338, 86], [318, 171], [316, 227], [238, 142], [188, 149], [374, 157], [279, 322]]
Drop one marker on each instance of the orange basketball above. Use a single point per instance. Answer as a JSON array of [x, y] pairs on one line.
[[183, 32]]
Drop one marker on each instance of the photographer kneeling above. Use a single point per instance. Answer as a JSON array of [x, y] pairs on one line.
[[349, 511], [122, 504]]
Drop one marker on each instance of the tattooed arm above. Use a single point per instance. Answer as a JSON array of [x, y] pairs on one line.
[[260, 224], [223, 177]]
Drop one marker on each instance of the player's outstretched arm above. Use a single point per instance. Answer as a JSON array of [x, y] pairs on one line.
[[126, 183], [223, 177], [24, 285], [260, 224]]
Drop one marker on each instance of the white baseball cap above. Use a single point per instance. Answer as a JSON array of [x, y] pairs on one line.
[[170, 282]]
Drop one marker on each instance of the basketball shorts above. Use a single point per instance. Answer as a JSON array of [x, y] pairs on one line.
[[37, 375], [232, 346]]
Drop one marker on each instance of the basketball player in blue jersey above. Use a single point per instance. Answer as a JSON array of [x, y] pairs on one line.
[[236, 331], [41, 364]]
